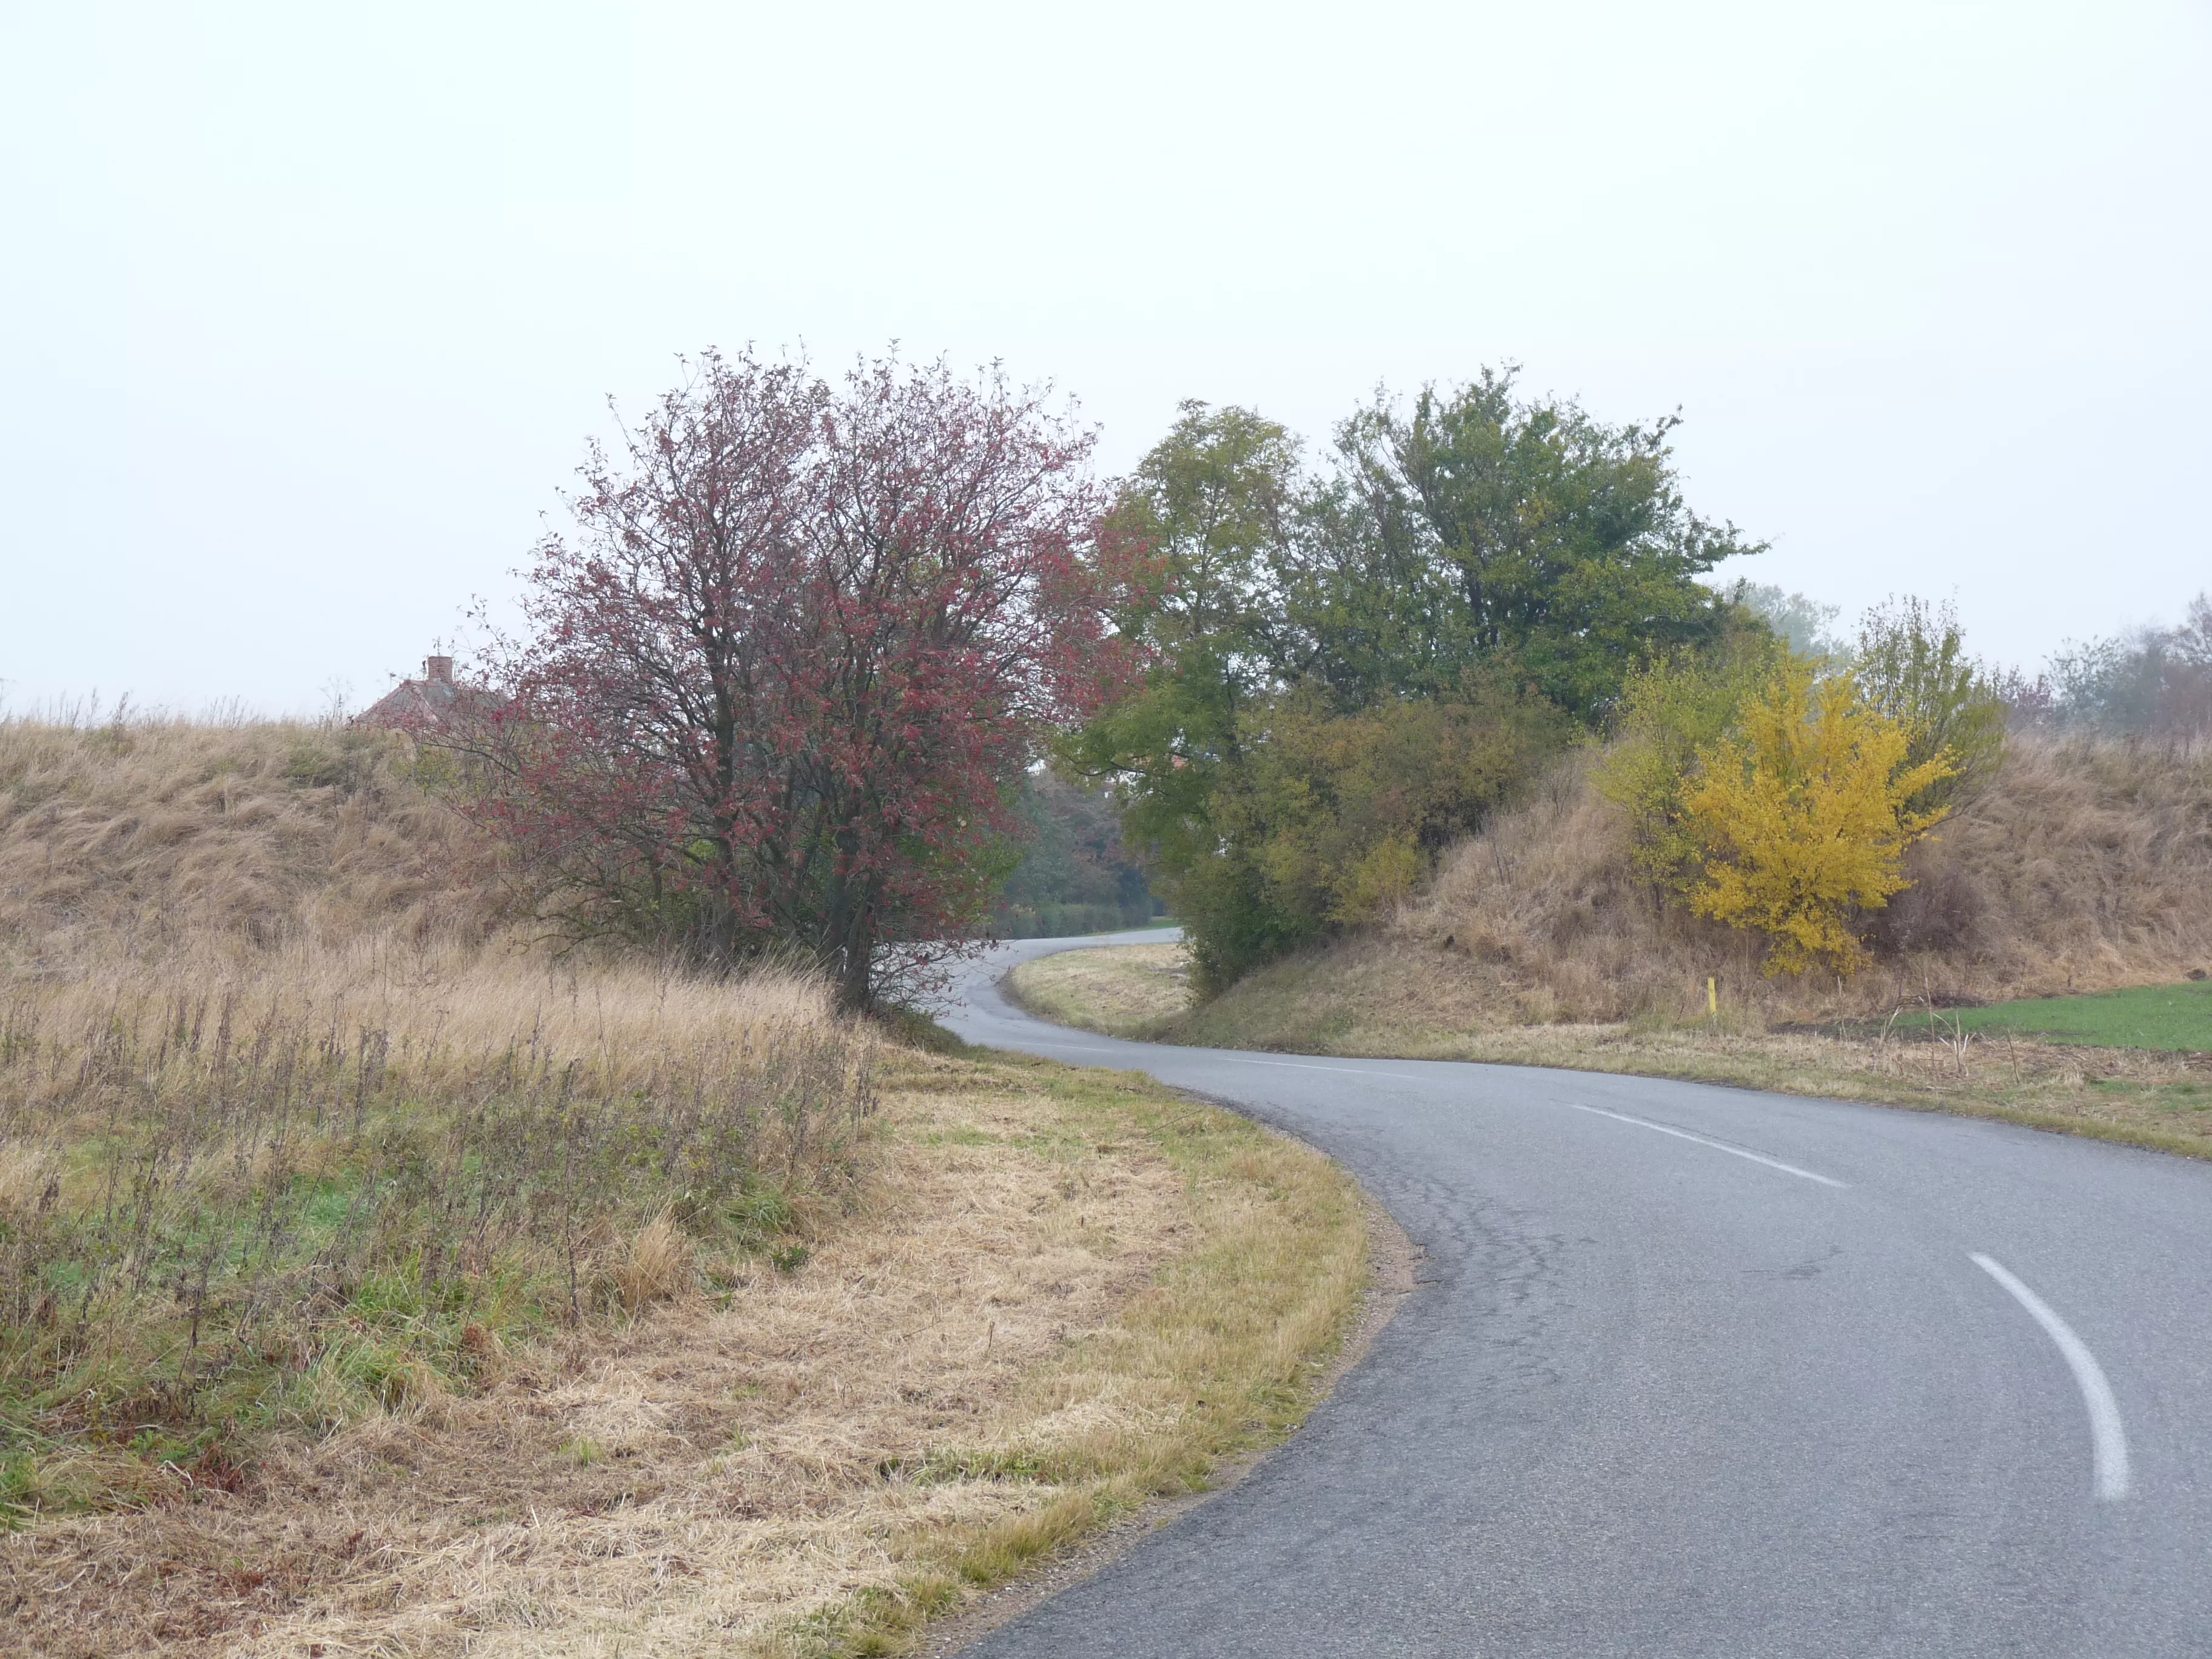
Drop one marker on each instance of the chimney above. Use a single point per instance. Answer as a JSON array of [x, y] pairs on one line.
[[439, 669]]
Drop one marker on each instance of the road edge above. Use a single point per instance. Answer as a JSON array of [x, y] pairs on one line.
[[1715, 1076], [1393, 1259]]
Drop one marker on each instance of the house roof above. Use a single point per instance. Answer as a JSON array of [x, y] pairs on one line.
[[431, 701]]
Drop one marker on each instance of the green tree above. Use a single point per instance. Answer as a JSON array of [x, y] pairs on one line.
[[1369, 611], [1511, 530], [1213, 499], [1350, 669]]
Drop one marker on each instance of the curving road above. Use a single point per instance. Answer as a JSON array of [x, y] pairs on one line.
[[1696, 1371]]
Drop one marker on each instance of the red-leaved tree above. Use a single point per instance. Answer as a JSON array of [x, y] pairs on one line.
[[773, 693]]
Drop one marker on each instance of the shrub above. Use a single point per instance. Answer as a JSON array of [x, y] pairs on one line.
[[1912, 665], [1671, 707], [1229, 915], [1332, 817], [2086, 864], [1806, 816]]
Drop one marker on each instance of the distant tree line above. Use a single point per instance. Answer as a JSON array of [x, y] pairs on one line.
[[2152, 682], [1076, 875]]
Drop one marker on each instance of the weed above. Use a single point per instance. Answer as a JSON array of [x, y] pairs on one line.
[[230, 1199]]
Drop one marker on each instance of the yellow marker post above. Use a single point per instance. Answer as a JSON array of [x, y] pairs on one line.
[[1712, 996]]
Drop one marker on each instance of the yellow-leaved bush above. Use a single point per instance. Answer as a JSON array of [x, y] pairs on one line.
[[1673, 709], [1804, 817]]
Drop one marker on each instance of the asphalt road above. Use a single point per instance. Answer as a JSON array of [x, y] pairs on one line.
[[1694, 1370]]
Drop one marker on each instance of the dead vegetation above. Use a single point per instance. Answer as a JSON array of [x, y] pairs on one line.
[[136, 839], [1062, 1292], [376, 1280], [239, 1201], [2083, 866]]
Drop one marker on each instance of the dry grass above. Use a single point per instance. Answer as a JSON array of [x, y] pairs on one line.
[[150, 838], [1128, 990], [288, 1132], [376, 1283], [1066, 1291], [249, 1198], [2084, 866]]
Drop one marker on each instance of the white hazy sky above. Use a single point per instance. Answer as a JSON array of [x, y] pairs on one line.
[[305, 311]]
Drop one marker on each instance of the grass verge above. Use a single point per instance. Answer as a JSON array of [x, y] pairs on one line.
[[1053, 1294], [1122, 990], [1369, 1000]]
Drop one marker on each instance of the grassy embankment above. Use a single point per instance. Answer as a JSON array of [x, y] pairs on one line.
[[374, 1280], [2083, 868], [1141, 991]]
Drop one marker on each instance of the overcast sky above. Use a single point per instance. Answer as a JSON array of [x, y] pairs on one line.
[[306, 311]]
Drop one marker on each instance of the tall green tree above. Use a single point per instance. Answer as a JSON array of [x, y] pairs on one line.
[[1506, 529], [1212, 500]]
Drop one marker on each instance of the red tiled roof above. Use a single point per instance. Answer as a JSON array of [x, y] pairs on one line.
[[430, 701]]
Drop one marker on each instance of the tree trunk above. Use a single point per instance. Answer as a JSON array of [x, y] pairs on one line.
[[856, 971]]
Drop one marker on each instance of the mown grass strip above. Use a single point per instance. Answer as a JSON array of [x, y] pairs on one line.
[[2166, 1018], [1225, 1350]]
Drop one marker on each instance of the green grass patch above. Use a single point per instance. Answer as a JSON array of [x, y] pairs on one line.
[[2167, 1018]]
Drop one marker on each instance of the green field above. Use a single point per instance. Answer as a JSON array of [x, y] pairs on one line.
[[2172, 1018]]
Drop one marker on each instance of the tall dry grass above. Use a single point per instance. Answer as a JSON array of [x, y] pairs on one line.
[[2085, 865], [289, 1129], [150, 836], [373, 1279]]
